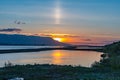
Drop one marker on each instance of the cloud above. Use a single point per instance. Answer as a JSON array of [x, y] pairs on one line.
[[87, 39], [19, 22], [59, 35], [11, 30]]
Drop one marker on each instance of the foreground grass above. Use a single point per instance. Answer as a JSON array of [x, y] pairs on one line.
[[58, 72]]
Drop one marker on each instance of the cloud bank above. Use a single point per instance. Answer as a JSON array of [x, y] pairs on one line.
[[11, 30]]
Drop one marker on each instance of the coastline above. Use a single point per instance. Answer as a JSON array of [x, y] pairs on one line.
[[47, 49]]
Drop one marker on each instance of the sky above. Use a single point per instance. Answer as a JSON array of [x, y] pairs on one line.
[[95, 22]]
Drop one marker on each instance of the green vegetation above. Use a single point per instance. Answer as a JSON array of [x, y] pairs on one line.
[[113, 49], [57, 72], [111, 57], [107, 69]]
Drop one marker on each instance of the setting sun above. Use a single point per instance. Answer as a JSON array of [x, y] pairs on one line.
[[58, 39]]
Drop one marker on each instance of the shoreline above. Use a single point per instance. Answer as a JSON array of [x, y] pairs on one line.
[[47, 49]]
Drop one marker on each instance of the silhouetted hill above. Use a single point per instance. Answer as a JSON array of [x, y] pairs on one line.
[[112, 48], [111, 57], [17, 39]]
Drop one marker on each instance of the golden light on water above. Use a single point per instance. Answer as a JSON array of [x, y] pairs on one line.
[[57, 57]]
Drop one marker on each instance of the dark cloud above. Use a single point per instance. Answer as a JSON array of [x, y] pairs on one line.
[[11, 30], [19, 22]]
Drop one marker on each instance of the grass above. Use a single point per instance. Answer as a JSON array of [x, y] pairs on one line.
[[57, 72]]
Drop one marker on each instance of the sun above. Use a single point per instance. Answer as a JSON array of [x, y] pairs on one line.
[[58, 39]]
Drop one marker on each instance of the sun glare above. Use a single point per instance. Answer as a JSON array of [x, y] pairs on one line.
[[58, 39]]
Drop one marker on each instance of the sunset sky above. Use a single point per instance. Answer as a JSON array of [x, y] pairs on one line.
[[94, 22]]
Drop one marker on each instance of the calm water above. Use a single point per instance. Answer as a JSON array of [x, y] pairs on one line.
[[24, 47], [61, 57]]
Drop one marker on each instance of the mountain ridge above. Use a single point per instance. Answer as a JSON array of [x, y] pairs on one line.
[[19, 39]]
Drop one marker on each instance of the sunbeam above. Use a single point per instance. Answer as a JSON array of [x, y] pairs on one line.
[[57, 12]]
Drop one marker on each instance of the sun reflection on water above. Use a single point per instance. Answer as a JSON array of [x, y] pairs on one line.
[[57, 57]]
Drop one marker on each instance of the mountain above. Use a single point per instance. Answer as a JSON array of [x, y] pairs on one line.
[[17, 39]]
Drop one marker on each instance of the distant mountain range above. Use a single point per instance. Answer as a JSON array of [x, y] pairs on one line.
[[17, 39]]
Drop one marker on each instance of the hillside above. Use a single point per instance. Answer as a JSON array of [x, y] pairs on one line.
[[112, 48], [111, 57], [16, 39]]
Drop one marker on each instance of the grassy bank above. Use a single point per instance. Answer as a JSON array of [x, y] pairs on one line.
[[57, 72]]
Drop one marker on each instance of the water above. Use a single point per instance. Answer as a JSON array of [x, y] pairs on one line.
[[60, 57], [25, 47]]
